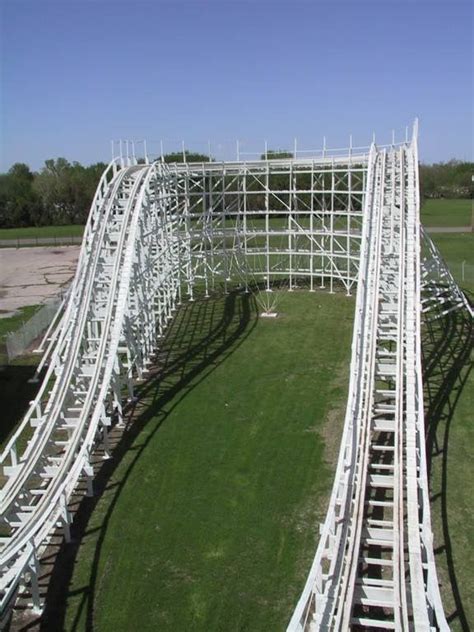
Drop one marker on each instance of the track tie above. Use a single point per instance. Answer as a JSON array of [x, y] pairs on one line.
[[382, 408], [386, 392], [382, 448], [372, 522], [382, 466], [383, 425], [377, 536], [375, 561], [375, 582], [386, 369], [381, 480], [367, 623], [374, 596], [379, 503]]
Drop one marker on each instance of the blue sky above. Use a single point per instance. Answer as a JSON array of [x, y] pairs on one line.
[[76, 74]]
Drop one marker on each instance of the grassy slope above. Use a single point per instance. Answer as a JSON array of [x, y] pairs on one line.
[[214, 526], [452, 477], [446, 212], [449, 401], [41, 231], [452, 511]]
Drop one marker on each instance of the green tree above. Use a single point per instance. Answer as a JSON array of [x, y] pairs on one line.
[[276, 154], [19, 203], [67, 190], [451, 179], [191, 156]]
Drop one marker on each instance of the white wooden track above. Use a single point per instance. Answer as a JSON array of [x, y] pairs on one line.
[[155, 233]]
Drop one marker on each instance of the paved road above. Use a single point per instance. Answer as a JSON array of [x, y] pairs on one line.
[[32, 275], [449, 229]]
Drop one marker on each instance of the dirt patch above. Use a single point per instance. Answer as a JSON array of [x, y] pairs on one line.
[[330, 432], [333, 424]]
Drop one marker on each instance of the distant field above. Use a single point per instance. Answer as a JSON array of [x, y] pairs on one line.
[[457, 248], [31, 232], [433, 213], [446, 212]]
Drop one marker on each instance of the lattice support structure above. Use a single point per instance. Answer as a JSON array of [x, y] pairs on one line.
[[158, 232], [299, 220]]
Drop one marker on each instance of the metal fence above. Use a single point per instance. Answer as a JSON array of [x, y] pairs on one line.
[[463, 272], [23, 242], [19, 341]]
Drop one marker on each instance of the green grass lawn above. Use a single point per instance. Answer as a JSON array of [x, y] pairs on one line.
[[31, 232], [444, 212], [209, 521], [453, 511]]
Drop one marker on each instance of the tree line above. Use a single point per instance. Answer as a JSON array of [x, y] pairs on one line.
[[451, 179], [58, 194], [61, 192]]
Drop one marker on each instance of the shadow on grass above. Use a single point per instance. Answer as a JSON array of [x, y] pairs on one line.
[[16, 393], [202, 336], [446, 344]]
